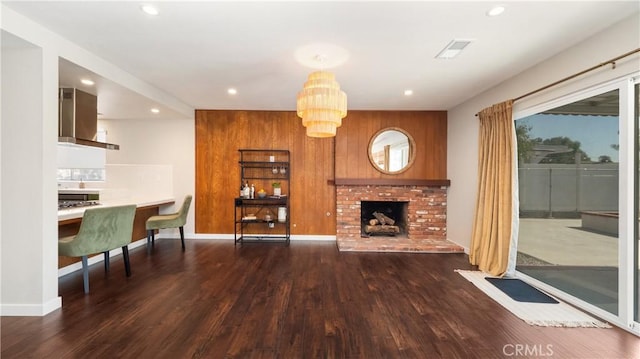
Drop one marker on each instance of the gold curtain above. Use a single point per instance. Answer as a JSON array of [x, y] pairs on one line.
[[492, 227]]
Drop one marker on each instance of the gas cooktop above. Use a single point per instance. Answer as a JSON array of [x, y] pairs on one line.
[[75, 204]]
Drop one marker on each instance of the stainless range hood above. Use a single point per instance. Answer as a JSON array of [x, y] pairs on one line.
[[78, 119]]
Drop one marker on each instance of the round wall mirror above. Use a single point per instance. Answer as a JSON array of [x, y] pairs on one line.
[[391, 150]]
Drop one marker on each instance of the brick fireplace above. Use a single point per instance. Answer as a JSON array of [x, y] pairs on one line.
[[426, 212]]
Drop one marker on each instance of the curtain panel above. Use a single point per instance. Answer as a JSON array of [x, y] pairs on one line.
[[494, 232]]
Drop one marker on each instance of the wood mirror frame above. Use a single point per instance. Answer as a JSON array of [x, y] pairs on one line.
[[391, 150]]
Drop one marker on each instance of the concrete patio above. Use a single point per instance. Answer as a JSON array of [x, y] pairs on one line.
[[564, 242]]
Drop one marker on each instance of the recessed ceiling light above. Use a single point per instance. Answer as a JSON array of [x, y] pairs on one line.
[[408, 92], [155, 110], [149, 9], [495, 11], [232, 91], [87, 82]]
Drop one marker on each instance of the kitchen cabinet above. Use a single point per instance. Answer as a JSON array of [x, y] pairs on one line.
[[263, 216]]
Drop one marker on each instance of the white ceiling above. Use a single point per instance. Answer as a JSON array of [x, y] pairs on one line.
[[196, 50]]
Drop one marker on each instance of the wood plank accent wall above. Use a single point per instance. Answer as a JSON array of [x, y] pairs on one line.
[[219, 136], [428, 129], [220, 133]]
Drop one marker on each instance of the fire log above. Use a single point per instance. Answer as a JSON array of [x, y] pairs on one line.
[[382, 229], [384, 219]]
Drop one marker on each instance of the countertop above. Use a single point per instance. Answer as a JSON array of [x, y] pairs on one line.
[[73, 213]]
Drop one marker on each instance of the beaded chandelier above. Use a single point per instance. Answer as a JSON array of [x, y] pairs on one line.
[[321, 104]]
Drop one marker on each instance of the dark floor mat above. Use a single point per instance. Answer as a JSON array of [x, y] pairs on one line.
[[521, 291]]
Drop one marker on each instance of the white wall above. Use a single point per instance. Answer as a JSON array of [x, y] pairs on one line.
[[463, 125], [28, 171], [158, 142]]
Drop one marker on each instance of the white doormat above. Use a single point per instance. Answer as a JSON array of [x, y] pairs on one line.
[[540, 314]]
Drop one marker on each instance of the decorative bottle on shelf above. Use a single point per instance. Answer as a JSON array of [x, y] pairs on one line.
[[252, 193], [247, 191], [241, 190]]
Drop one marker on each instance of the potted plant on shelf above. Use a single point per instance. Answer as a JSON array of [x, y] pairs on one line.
[[277, 190]]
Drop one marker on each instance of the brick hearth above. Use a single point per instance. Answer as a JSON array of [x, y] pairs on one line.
[[426, 212]]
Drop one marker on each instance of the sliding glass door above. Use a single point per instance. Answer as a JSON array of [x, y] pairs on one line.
[[578, 187], [568, 179]]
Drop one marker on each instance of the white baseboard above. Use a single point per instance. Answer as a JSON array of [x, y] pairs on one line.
[[466, 249], [30, 310], [312, 237], [212, 236]]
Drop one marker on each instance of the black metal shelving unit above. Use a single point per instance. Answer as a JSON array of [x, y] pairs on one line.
[[259, 219]]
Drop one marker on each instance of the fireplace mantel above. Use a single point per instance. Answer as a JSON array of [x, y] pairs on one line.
[[391, 182]]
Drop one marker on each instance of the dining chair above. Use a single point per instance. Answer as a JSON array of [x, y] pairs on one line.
[[101, 230], [173, 220]]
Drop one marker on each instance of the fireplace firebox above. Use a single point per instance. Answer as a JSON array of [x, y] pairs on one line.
[[384, 218]]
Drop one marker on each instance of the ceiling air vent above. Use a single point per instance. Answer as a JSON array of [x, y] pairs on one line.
[[453, 49]]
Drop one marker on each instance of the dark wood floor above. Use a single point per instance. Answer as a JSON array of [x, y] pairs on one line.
[[303, 301]]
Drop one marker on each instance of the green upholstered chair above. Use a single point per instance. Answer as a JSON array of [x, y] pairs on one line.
[[174, 220], [101, 230]]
